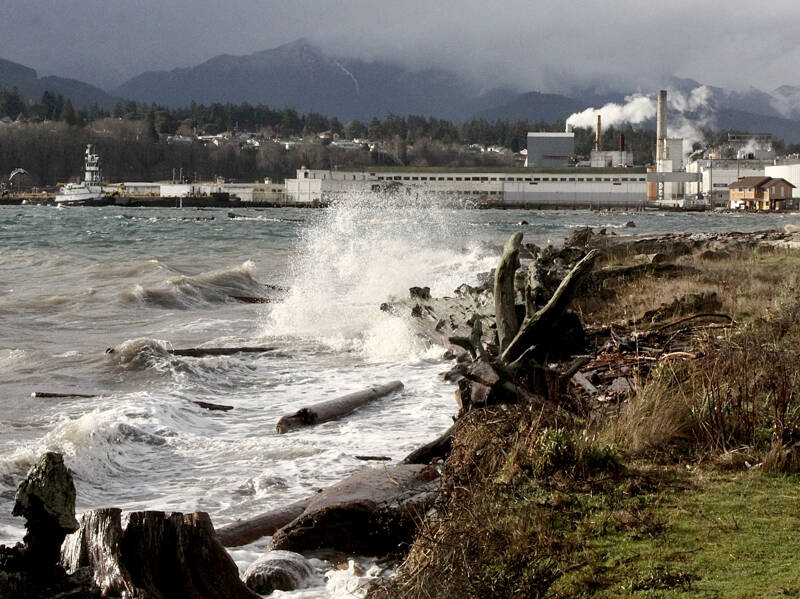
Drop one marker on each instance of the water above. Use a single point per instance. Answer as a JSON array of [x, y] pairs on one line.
[[76, 281]]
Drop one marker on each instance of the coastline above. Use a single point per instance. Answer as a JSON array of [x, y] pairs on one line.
[[699, 239]]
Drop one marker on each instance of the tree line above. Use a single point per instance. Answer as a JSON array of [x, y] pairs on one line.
[[47, 139]]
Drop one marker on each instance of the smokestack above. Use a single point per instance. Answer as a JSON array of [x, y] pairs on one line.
[[661, 124], [621, 142], [598, 136]]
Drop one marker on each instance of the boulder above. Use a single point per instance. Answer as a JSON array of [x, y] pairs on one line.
[[154, 555], [278, 571], [372, 512]]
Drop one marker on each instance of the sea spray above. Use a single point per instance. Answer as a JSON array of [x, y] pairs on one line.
[[363, 250]]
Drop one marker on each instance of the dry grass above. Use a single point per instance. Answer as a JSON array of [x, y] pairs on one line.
[[750, 282]]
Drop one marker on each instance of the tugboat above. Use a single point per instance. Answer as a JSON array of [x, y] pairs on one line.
[[88, 193]]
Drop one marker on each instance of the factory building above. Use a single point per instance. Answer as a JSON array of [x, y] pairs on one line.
[[527, 187], [601, 158], [550, 150], [669, 179]]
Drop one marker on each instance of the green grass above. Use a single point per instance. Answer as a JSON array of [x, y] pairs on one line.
[[728, 536]]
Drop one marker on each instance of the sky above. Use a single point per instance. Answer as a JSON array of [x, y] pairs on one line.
[[544, 45]]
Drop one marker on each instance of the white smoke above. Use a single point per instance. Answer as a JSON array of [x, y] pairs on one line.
[[688, 114], [637, 109]]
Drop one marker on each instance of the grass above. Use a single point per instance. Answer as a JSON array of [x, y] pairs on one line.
[[730, 535], [688, 491]]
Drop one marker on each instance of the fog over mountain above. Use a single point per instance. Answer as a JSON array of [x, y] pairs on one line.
[[551, 46]]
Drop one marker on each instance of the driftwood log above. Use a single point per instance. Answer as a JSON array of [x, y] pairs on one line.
[[374, 511], [438, 448], [504, 305], [249, 530], [202, 352], [536, 325], [335, 408], [154, 555]]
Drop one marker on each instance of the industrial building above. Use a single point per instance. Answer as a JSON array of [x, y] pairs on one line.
[[525, 187], [262, 192], [600, 158], [550, 150], [667, 182]]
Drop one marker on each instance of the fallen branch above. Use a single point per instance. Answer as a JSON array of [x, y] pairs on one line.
[[213, 406], [335, 408]]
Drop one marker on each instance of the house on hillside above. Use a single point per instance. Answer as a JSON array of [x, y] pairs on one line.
[[760, 193]]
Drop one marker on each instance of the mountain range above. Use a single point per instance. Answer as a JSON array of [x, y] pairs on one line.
[[302, 76]]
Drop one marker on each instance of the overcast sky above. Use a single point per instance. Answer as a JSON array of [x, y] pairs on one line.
[[537, 44]]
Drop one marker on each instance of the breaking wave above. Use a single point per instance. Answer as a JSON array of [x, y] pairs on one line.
[[185, 292]]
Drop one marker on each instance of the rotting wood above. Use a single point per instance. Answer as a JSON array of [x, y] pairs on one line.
[[504, 300], [335, 408], [246, 531], [536, 325], [438, 448]]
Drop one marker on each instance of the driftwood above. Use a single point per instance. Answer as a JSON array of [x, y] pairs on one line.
[[201, 352], [438, 448], [374, 511], [154, 554], [504, 305], [213, 406], [47, 395], [246, 531], [535, 326], [335, 408]]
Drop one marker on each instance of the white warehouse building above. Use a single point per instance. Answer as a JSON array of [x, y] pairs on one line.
[[526, 187]]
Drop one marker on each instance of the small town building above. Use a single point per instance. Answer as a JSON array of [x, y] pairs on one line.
[[760, 193]]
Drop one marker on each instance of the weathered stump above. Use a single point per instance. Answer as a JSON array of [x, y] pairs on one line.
[[154, 555]]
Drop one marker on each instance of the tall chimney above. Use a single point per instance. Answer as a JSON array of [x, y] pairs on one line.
[[661, 124], [621, 142], [598, 145]]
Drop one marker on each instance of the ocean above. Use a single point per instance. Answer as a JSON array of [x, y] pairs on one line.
[[75, 282]]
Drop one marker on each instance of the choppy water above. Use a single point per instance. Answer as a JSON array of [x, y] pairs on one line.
[[74, 282]]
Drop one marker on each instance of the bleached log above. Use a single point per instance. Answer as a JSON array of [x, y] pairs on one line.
[[535, 326], [249, 530], [504, 304], [335, 408]]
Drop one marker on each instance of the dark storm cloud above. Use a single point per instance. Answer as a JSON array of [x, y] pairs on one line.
[[545, 45]]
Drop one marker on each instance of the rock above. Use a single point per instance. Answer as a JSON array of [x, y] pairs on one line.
[[278, 571], [154, 555], [46, 499], [630, 224], [374, 511]]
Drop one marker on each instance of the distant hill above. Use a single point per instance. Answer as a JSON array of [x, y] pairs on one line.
[[535, 106], [31, 86], [301, 76]]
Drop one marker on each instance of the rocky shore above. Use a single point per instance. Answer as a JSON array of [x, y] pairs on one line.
[[562, 362]]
